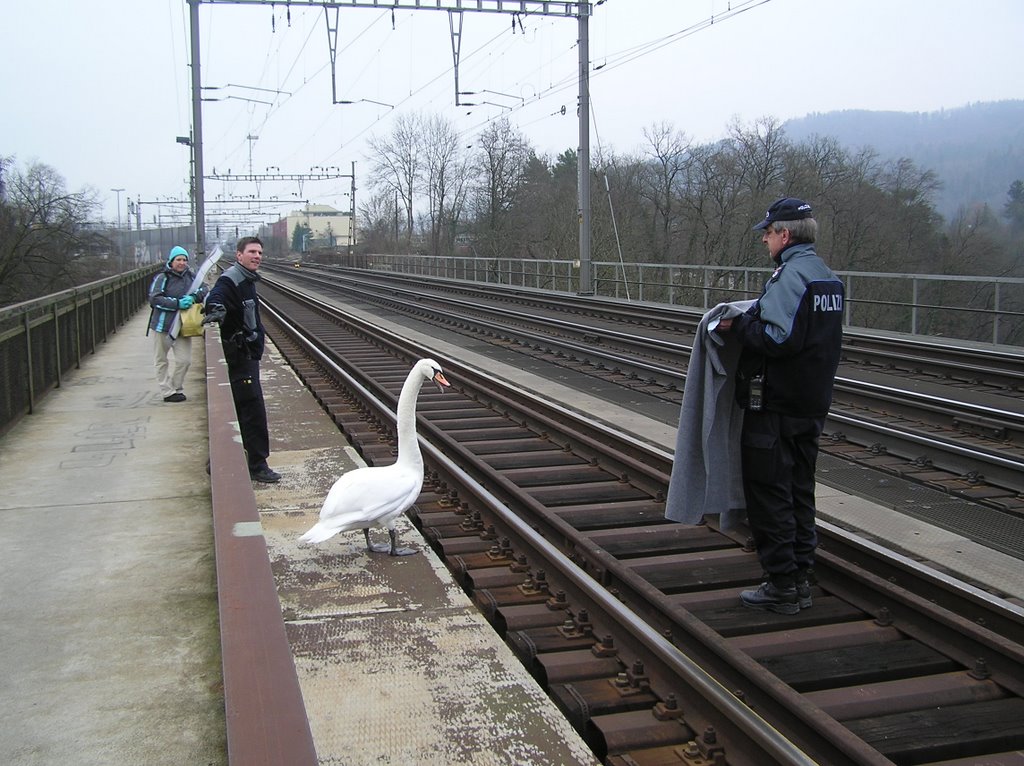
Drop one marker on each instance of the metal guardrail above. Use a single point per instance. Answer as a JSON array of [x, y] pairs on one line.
[[41, 340], [973, 308]]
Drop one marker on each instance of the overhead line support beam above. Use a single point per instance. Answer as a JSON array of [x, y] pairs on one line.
[[525, 7]]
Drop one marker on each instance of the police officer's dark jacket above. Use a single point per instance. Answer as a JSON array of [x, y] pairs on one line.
[[792, 335], [241, 331]]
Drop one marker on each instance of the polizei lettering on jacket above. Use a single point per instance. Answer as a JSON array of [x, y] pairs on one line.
[[828, 302]]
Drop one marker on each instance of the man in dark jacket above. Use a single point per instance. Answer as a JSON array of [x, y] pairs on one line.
[[169, 294], [234, 305], [791, 339]]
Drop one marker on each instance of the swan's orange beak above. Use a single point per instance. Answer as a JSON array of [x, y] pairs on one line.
[[441, 380]]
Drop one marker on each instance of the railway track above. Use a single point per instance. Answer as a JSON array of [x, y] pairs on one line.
[[971, 446], [977, 366], [555, 525]]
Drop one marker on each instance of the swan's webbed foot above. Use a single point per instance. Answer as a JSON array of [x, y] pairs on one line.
[[376, 547], [397, 550]]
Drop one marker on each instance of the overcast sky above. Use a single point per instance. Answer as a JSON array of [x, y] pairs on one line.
[[100, 90]]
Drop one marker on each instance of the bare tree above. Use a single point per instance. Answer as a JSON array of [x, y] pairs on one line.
[[444, 180], [816, 169], [719, 208], [911, 191], [667, 157], [378, 222], [759, 150], [546, 215], [973, 244], [851, 211], [620, 215], [396, 163], [500, 173], [758, 158], [44, 233]]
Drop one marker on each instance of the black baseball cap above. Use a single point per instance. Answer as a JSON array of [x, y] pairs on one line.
[[785, 209]]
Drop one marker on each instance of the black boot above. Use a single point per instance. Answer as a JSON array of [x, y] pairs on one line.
[[804, 581], [777, 594]]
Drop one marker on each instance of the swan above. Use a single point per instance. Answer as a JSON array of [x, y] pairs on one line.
[[374, 496]]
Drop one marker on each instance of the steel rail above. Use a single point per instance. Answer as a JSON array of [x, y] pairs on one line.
[[1003, 366], [1005, 471]]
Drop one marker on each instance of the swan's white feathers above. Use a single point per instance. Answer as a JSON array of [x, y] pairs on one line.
[[376, 496], [366, 497]]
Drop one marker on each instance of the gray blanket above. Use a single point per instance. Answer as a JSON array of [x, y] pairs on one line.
[[706, 472]]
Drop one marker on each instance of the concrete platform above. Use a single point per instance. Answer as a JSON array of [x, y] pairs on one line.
[[109, 644]]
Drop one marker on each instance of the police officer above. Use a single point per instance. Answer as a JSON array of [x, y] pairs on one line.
[[234, 305], [791, 339]]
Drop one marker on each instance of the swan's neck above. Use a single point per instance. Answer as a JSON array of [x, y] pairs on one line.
[[408, 443]]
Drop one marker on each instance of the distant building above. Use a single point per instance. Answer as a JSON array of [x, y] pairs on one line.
[[328, 227]]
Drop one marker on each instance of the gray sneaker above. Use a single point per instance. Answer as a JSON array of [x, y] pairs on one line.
[[771, 598]]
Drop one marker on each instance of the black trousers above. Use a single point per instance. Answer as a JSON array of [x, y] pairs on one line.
[[779, 453], [251, 410]]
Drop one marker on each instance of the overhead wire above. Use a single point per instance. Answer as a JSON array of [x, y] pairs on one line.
[[502, 37], [497, 46], [282, 103], [257, 128], [184, 67], [419, 89], [631, 54], [626, 56], [246, 112], [278, 106]]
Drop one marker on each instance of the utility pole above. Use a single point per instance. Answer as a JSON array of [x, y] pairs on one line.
[[352, 214], [250, 138], [197, 132], [187, 141], [586, 281], [118, 192]]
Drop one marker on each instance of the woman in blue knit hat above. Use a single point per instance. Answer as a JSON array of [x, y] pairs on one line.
[[169, 294]]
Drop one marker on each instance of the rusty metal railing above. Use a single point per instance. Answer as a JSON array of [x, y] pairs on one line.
[[265, 714], [41, 340]]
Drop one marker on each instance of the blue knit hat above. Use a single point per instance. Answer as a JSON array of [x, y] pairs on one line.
[[175, 252]]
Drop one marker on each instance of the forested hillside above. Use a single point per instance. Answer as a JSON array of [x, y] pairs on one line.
[[976, 151]]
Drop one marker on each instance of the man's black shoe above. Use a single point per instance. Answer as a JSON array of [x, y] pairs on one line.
[[803, 595], [265, 475], [804, 578], [175, 397], [771, 598]]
